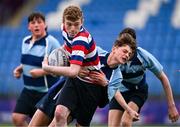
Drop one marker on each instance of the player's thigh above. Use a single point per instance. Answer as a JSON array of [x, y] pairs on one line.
[[114, 117], [39, 119], [133, 105], [68, 95], [47, 105], [84, 114]]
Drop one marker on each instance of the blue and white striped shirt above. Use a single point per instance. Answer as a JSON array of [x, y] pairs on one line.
[[32, 57]]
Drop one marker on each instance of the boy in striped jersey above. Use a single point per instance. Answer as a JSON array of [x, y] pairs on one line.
[[36, 80], [78, 92]]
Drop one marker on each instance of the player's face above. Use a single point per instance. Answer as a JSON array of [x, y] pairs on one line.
[[37, 27], [72, 28], [122, 54]]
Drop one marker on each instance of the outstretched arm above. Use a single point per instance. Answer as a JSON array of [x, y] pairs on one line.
[[173, 113]]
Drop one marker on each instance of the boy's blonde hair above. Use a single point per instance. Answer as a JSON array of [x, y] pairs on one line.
[[72, 13]]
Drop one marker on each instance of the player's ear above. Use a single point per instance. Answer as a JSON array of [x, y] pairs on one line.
[[82, 20], [113, 48], [46, 27], [29, 27]]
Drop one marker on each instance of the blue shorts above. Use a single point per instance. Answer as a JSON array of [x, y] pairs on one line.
[[47, 103]]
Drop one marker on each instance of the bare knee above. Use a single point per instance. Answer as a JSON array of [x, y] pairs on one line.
[[126, 123], [19, 119], [126, 120], [16, 119], [61, 114]]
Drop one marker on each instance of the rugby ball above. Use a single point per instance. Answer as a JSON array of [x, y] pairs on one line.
[[58, 57]]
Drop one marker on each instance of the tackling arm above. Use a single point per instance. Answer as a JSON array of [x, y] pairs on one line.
[[98, 78]]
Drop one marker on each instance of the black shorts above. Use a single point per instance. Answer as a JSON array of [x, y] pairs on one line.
[[137, 96], [27, 101], [48, 103], [81, 99]]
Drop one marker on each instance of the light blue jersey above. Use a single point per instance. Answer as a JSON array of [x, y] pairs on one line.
[[113, 75], [32, 57], [134, 72]]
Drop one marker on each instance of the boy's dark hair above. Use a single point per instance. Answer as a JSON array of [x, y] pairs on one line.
[[72, 13], [126, 39], [129, 31], [36, 15]]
